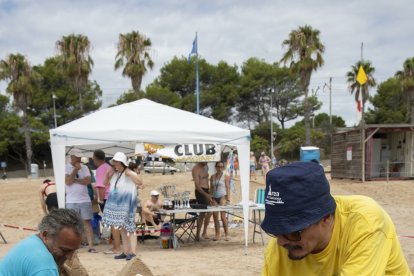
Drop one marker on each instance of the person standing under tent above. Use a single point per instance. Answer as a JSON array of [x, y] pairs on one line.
[[77, 177], [220, 191], [102, 195], [121, 206], [200, 177]]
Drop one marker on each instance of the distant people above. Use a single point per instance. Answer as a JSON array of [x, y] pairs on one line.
[[150, 209], [253, 165], [220, 190], [60, 235], [120, 208], [200, 177], [235, 163], [264, 162], [77, 179], [315, 233], [48, 196]]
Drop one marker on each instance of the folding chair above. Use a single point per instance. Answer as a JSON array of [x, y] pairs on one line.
[[185, 227], [3, 237], [259, 199]]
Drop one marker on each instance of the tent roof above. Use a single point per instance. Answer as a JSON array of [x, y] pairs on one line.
[[144, 121]]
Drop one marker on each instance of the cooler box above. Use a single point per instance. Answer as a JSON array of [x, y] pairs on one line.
[[310, 153]]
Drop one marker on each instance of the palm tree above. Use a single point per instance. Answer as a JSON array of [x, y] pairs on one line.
[[304, 52], [356, 87], [133, 54], [17, 70], [406, 76], [73, 55]]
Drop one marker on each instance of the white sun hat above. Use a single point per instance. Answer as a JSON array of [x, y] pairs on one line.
[[154, 193], [121, 157]]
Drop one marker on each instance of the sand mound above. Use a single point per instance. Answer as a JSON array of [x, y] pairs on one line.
[[135, 267]]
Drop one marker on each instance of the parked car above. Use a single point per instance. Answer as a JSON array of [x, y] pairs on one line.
[[161, 169]]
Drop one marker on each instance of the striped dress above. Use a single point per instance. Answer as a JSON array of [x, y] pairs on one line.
[[121, 205]]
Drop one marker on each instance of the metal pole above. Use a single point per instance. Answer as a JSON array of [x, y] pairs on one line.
[[362, 127], [271, 125], [54, 109], [197, 82], [330, 101]]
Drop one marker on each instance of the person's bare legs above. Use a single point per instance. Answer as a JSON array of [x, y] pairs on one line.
[[116, 240], [200, 221], [225, 225], [216, 226], [206, 223], [88, 232], [133, 240], [126, 242]]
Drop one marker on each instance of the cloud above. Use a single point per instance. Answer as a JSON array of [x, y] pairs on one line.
[[230, 30]]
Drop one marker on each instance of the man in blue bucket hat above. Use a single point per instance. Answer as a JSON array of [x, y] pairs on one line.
[[315, 233]]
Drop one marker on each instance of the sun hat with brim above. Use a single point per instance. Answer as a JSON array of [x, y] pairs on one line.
[[297, 196], [155, 193], [121, 157]]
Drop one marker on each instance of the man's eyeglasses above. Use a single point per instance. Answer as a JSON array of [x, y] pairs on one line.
[[294, 236]]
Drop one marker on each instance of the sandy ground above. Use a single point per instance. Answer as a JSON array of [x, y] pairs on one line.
[[20, 207]]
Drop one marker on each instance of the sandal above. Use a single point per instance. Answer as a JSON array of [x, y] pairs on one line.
[[92, 250]]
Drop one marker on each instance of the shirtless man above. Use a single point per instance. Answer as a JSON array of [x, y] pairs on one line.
[[200, 177], [150, 208]]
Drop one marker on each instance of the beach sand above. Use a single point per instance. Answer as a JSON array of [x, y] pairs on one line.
[[20, 206]]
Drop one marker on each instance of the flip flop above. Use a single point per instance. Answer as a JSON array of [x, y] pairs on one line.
[[111, 252], [92, 250]]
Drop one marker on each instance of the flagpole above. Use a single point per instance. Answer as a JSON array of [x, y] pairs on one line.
[[197, 85], [362, 123]]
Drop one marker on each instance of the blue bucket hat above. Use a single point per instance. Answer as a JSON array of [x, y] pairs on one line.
[[297, 196]]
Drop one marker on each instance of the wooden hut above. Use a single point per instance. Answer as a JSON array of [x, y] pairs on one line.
[[387, 152]]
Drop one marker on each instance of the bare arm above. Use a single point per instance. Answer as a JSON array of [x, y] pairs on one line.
[[227, 183]]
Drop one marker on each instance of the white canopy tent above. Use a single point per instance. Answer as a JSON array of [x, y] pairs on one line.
[[119, 128]]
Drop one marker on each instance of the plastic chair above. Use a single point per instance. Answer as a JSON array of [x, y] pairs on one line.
[[185, 227], [259, 199]]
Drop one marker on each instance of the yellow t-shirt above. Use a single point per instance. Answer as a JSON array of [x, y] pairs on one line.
[[363, 242]]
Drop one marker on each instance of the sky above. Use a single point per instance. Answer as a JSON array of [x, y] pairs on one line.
[[229, 30]]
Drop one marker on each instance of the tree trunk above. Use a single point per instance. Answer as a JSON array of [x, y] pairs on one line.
[[136, 83], [28, 142], [307, 118]]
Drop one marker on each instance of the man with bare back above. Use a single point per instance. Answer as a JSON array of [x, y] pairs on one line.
[[200, 177]]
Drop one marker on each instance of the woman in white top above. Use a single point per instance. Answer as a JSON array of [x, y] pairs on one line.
[[220, 191]]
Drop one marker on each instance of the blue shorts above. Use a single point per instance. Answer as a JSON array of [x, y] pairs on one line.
[[84, 209], [252, 168]]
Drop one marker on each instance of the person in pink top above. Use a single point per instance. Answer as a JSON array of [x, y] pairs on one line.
[[101, 168]]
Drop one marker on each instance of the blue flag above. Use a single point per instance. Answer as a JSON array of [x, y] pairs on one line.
[[193, 50]]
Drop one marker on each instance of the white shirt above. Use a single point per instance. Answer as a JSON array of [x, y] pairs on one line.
[[77, 193]]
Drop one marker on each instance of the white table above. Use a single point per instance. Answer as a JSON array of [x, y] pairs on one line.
[[230, 209]]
